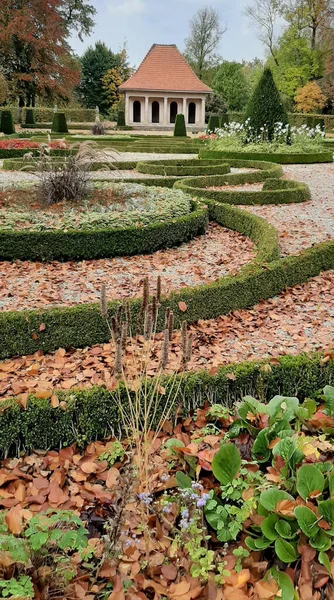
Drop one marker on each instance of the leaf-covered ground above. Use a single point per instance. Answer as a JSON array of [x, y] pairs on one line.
[[148, 548], [30, 285], [302, 225], [300, 319]]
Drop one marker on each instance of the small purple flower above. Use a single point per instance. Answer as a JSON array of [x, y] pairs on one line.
[[145, 498], [197, 486], [202, 500], [164, 478], [167, 508]]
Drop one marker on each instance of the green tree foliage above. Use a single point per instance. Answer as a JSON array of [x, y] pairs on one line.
[[230, 82], [204, 37], [214, 105], [95, 63], [4, 89], [77, 15], [180, 126], [265, 107]]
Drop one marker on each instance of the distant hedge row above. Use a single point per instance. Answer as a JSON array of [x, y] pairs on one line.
[[45, 114], [281, 158], [93, 414]]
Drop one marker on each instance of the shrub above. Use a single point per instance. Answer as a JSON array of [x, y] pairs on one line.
[[7, 122], [265, 107], [214, 123], [180, 126], [121, 118], [59, 124], [309, 98], [30, 117], [224, 120]]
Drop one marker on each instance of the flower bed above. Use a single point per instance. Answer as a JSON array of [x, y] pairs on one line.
[[124, 219]]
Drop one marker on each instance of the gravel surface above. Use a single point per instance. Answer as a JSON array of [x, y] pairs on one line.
[[302, 225], [300, 319], [218, 253]]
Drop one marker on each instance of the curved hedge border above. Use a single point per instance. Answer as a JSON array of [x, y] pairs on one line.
[[82, 325], [274, 191], [93, 414], [102, 243], [183, 167], [287, 159]]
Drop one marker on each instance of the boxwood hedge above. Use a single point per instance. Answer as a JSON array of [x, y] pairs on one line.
[[274, 191], [102, 243], [93, 413], [183, 167], [282, 158], [19, 152]]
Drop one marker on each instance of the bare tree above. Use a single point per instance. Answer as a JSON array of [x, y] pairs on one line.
[[265, 14], [204, 37]]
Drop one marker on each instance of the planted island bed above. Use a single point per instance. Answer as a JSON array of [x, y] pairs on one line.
[[116, 219]]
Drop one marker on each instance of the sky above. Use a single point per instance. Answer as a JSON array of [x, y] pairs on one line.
[[141, 23]]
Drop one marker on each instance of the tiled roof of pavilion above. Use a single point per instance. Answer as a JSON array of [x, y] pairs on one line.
[[164, 69]]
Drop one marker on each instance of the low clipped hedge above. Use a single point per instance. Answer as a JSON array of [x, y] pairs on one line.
[[282, 158], [19, 152], [102, 243], [274, 191], [93, 414], [183, 167], [16, 164]]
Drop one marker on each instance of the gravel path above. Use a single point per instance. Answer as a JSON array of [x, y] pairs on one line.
[[30, 285], [300, 319], [303, 225]]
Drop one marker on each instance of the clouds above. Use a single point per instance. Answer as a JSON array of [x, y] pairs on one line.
[[127, 8]]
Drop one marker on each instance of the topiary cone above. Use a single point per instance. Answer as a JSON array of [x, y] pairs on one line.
[[180, 126], [121, 118], [59, 124], [7, 122], [265, 107], [30, 117], [213, 124]]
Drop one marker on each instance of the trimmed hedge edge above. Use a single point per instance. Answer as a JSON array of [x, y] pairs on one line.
[[274, 191], [82, 325], [102, 243], [183, 167], [92, 414], [304, 158]]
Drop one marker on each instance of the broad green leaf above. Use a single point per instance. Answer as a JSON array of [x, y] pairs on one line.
[[260, 450], [309, 480], [284, 583], [226, 463], [326, 509], [329, 400], [307, 520], [269, 498], [321, 541], [283, 528], [306, 410], [261, 543], [250, 404], [331, 484], [283, 405], [324, 560], [285, 448], [183, 481], [250, 543], [268, 527], [285, 551]]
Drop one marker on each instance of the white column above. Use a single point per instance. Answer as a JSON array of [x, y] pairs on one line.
[[127, 110], [203, 113], [184, 110], [165, 117], [146, 111]]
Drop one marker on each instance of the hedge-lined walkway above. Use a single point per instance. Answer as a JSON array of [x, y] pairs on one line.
[[300, 319], [31, 285], [301, 226]]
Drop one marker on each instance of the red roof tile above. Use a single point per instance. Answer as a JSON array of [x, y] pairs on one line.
[[165, 69]]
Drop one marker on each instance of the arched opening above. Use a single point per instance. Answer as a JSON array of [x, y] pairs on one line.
[[155, 111], [136, 111], [192, 113], [172, 112]]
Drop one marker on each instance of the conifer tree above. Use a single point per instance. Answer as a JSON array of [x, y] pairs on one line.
[[265, 107]]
